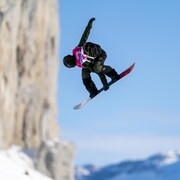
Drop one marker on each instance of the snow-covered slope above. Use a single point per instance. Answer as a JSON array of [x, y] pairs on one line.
[[16, 164], [157, 167]]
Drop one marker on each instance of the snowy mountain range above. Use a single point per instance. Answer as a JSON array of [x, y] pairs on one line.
[[157, 167]]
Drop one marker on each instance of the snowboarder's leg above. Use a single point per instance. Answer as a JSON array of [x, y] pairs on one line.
[[99, 67], [88, 83]]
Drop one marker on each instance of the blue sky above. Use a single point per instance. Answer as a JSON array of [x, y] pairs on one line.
[[139, 115]]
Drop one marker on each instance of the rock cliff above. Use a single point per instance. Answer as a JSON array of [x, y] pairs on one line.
[[28, 74], [28, 70]]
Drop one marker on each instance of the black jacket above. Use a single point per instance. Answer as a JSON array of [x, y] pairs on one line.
[[91, 49]]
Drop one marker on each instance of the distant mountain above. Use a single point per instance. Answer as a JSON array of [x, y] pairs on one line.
[[157, 167]]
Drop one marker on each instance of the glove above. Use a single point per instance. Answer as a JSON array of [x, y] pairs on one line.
[[91, 21], [106, 87]]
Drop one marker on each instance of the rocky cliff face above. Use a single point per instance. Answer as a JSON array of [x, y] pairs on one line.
[[28, 73]]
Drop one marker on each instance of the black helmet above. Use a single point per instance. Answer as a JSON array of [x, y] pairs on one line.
[[69, 61]]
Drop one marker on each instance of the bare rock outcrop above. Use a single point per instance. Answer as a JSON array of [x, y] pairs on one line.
[[29, 33], [55, 159], [28, 71]]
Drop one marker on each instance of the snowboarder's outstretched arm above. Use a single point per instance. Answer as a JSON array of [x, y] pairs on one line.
[[86, 32]]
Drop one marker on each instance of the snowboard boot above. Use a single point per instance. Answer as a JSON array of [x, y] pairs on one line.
[[91, 87], [113, 75], [93, 93]]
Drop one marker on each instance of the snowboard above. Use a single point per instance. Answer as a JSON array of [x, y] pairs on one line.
[[121, 75]]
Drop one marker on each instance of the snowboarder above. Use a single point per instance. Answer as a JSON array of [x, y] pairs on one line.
[[90, 57]]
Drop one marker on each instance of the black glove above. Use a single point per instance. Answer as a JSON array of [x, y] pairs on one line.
[[91, 21], [106, 87]]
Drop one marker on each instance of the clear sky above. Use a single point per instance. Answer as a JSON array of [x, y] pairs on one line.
[[139, 115]]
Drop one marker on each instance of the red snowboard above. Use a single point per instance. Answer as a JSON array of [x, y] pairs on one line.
[[121, 75]]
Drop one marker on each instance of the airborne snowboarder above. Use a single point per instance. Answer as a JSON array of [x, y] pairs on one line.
[[91, 57]]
